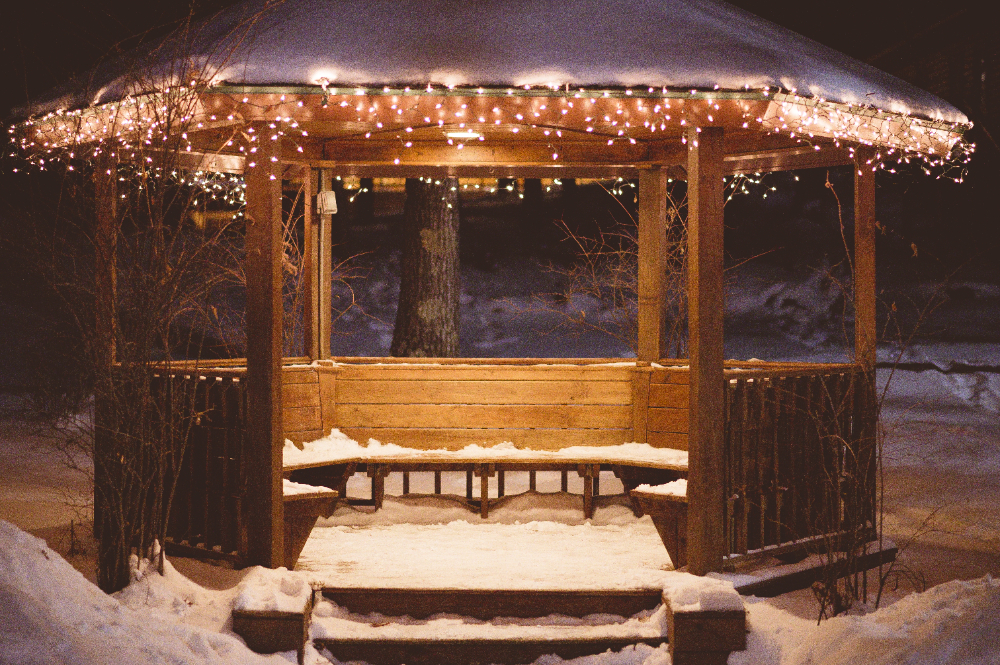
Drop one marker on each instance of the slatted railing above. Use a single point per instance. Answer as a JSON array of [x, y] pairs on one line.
[[206, 412], [799, 458]]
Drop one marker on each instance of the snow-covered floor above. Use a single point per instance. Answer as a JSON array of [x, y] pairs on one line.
[[529, 549]]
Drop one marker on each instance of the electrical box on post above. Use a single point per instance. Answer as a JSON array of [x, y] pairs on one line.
[[326, 203]]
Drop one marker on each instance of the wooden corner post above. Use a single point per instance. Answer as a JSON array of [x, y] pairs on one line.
[[706, 503], [864, 259], [652, 261], [865, 331], [325, 269], [310, 267], [652, 264], [264, 313]]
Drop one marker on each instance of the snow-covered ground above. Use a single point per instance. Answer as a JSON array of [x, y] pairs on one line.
[[942, 483]]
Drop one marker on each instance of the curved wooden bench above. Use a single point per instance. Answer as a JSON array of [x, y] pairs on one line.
[[332, 467]]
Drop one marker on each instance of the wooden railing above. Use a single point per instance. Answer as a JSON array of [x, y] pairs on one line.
[[799, 459], [206, 412]]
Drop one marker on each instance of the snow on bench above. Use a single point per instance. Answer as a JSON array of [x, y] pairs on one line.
[[340, 455], [337, 448]]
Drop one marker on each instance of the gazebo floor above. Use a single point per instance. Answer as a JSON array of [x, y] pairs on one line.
[[526, 545]]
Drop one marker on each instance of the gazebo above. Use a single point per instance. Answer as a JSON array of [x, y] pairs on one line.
[[308, 90]]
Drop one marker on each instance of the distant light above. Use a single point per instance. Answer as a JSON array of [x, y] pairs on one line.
[[463, 134]]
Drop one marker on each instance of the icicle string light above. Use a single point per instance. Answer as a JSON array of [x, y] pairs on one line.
[[202, 119]]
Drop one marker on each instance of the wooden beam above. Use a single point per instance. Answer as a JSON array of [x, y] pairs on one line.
[[652, 261], [864, 259], [310, 270], [580, 153], [264, 314], [325, 266], [360, 170], [790, 159], [707, 384]]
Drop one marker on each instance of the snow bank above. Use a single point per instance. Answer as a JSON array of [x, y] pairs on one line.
[[278, 590], [51, 614], [956, 623]]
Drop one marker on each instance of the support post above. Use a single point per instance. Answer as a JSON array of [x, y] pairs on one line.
[[864, 259], [652, 261], [310, 268], [325, 272], [264, 314], [706, 500], [865, 332]]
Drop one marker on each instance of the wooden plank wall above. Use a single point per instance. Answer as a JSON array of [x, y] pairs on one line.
[[454, 405], [301, 412], [542, 407], [667, 420]]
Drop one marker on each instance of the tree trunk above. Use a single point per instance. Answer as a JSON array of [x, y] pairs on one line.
[[427, 317]]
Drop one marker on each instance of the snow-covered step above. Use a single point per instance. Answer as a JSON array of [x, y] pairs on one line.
[[454, 640], [486, 604]]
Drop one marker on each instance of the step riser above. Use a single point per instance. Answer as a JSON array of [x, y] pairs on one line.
[[469, 652], [488, 604]]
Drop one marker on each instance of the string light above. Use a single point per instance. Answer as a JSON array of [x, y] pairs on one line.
[[203, 119]]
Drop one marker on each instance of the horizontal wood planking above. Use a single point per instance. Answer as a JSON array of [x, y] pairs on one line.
[[667, 420], [300, 395], [300, 419], [513, 362], [299, 375], [375, 391], [484, 416], [454, 438], [305, 435], [675, 440], [479, 373], [673, 395], [661, 376]]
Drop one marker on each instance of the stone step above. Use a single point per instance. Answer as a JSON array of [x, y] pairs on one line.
[[486, 604]]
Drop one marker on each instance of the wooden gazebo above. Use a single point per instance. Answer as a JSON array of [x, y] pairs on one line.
[[311, 90]]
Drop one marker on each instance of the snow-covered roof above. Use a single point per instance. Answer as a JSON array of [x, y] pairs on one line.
[[581, 43]]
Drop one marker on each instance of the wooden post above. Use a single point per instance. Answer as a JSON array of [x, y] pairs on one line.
[[864, 259], [105, 294], [310, 269], [865, 332], [265, 437], [706, 500], [325, 273], [652, 261]]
